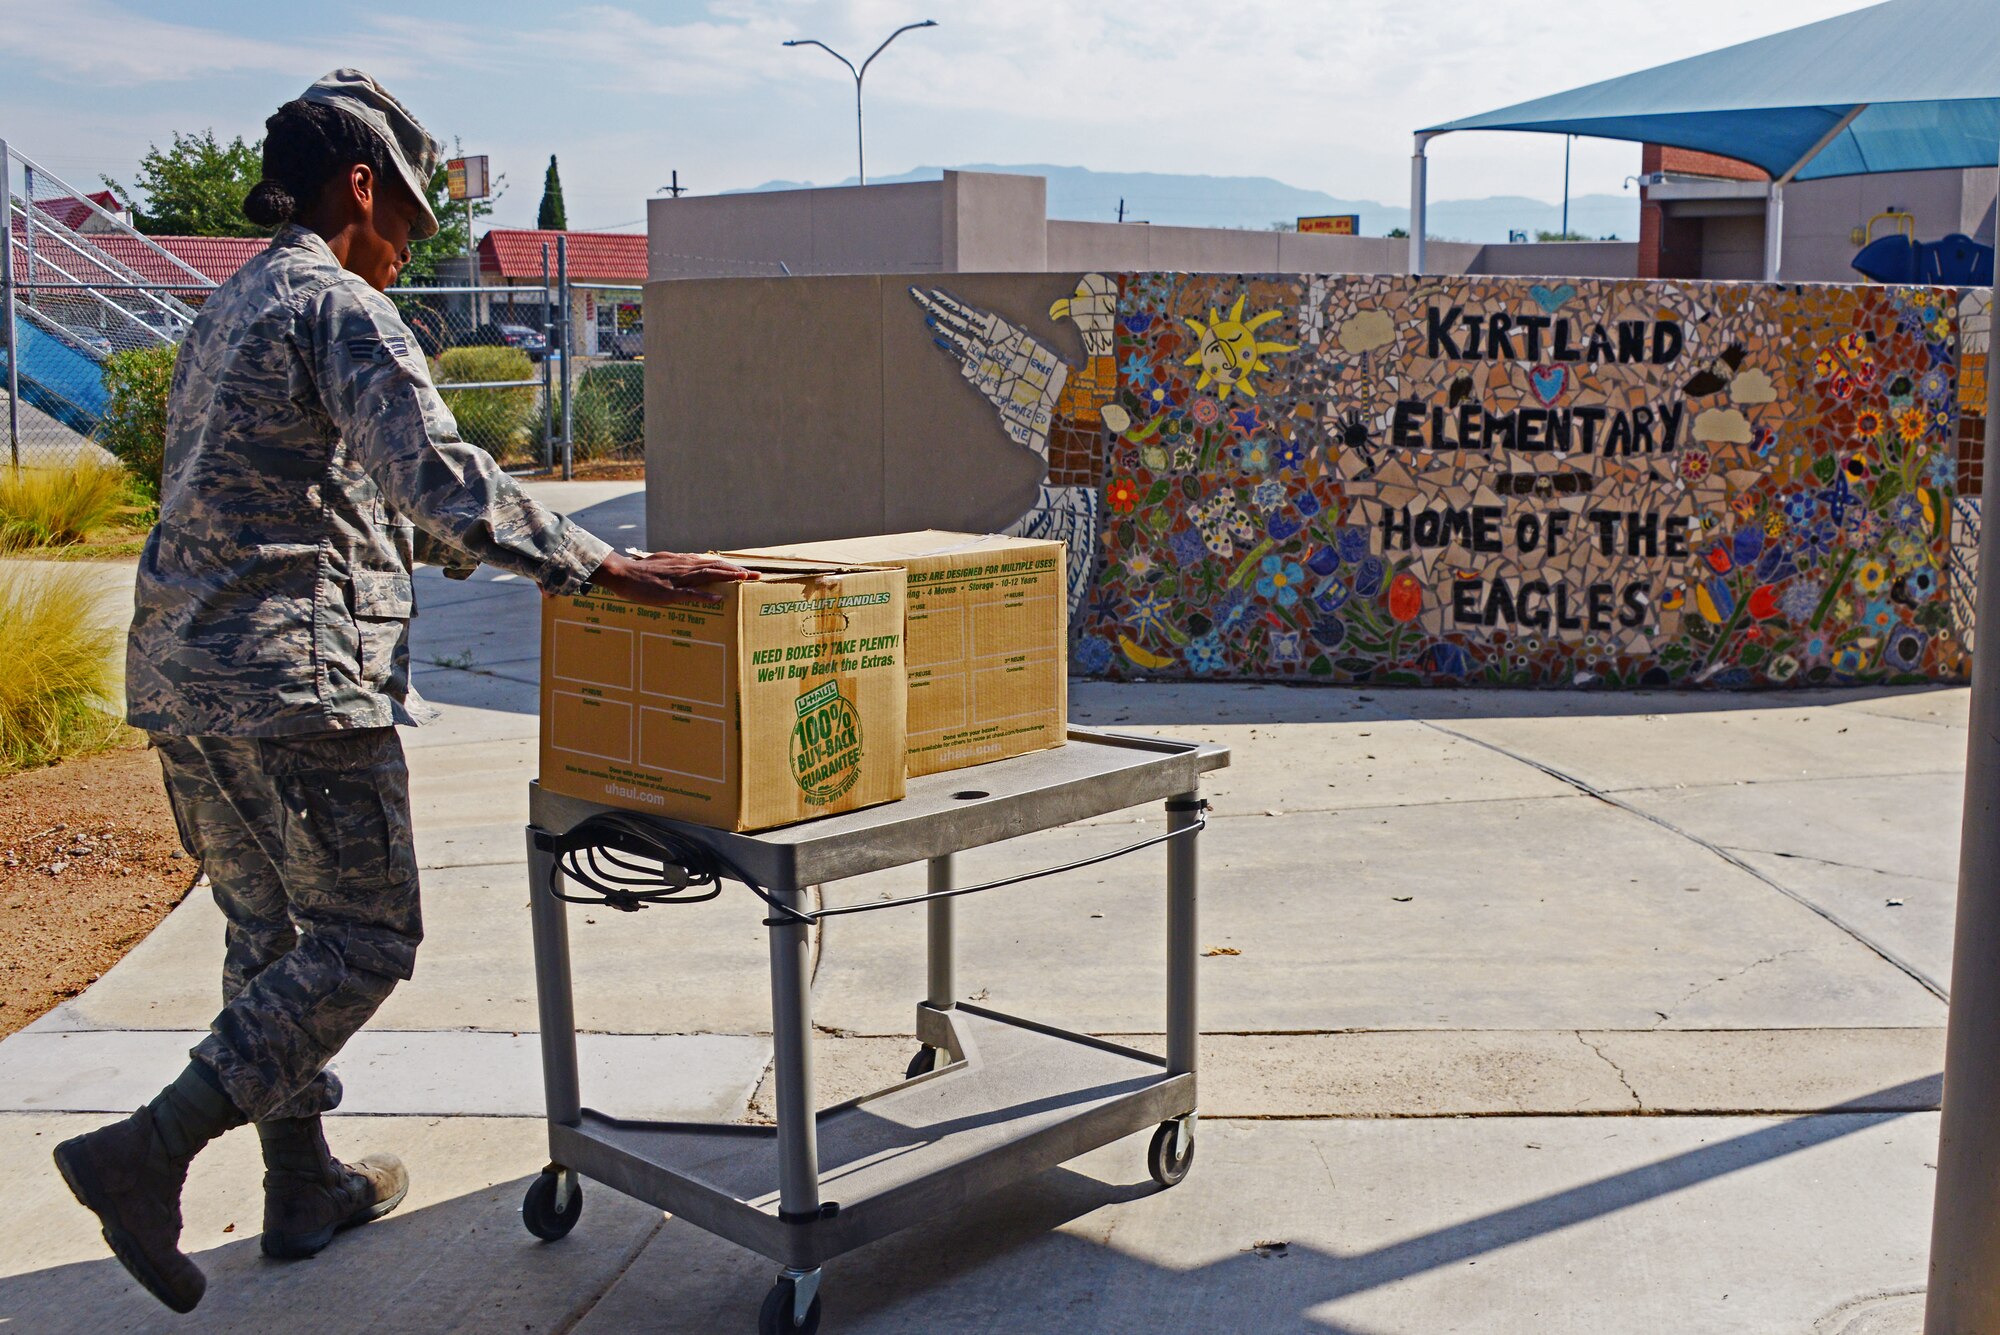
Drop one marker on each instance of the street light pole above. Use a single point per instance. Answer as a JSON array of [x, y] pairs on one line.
[[860, 143]]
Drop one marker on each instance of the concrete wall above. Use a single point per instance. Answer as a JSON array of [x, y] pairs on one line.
[[991, 222], [1820, 216], [1570, 259], [1732, 247], [1300, 477], [819, 408], [1134, 246], [878, 228]]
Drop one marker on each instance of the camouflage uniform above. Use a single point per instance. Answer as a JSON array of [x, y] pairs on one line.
[[309, 462]]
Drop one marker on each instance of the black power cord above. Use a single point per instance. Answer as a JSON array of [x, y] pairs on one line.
[[629, 864]]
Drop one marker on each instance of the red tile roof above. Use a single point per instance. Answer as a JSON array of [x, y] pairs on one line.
[[72, 212], [603, 257], [214, 257]]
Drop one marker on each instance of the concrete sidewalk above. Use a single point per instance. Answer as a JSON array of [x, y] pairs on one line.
[[1475, 935]]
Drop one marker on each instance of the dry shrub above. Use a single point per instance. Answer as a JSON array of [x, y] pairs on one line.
[[53, 507], [57, 688]]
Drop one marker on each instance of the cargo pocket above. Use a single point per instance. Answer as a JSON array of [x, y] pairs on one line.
[[351, 868], [383, 605]]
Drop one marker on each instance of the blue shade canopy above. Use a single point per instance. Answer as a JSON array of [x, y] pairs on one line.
[[1926, 72]]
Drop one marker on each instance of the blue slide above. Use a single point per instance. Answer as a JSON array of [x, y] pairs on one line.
[[59, 378]]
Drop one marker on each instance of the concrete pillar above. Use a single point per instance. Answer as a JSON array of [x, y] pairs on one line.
[[1419, 191], [1964, 1296]]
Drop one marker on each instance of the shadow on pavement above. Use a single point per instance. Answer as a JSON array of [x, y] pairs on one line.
[[1063, 1279], [997, 1264], [463, 1264], [1166, 704]]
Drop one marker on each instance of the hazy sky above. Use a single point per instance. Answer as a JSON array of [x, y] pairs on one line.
[[1317, 93]]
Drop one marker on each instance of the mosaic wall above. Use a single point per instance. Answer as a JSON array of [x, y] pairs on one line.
[[1465, 480]]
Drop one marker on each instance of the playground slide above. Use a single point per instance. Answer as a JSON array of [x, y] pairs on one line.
[[58, 378]]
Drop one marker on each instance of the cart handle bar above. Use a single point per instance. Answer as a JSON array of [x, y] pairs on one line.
[[687, 872]]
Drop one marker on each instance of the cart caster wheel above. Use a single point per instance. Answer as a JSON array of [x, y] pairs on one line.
[[1166, 1169], [539, 1213], [776, 1316], [923, 1063]]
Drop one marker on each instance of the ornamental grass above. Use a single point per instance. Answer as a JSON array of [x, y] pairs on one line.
[[54, 507], [58, 688]]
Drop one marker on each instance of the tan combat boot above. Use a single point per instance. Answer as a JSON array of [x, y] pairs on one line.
[[309, 1195]]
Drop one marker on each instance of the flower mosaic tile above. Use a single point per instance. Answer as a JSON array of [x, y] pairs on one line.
[[1423, 480]]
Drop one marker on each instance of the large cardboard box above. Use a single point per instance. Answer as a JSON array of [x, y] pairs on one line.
[[783, 702], [989, 640]]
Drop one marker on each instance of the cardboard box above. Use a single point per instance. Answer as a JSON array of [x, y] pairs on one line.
[[783, 702], [988, 635]]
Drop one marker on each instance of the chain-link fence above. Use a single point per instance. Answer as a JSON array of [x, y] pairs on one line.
[[81, 294], [541, 375], [495, 353], [607, 338]]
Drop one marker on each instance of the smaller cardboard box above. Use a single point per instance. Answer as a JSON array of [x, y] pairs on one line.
[[988, 635], [784, 701]]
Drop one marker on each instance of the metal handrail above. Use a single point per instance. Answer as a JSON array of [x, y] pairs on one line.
[[201, 279]]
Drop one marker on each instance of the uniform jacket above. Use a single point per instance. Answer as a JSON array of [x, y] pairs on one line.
[[309, 463]]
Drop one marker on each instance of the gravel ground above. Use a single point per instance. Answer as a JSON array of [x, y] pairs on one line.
[[89, 863]]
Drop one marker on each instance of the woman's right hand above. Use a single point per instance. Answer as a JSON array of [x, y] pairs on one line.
[[666, 577]]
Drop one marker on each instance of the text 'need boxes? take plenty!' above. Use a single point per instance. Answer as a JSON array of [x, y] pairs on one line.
[[988, 640], [784, 701]]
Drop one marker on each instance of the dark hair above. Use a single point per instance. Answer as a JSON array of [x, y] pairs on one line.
[[305, 144]]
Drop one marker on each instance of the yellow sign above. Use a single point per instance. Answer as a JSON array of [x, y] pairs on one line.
[[1333, 224], [465, 178]]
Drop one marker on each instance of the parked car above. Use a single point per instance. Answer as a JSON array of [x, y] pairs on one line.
[[531, 341], [628, 344]]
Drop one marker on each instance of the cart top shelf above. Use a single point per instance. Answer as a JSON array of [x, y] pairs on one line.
[[1096, 773]]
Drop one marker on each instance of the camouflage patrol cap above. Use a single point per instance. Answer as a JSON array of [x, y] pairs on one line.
[[410, 145]]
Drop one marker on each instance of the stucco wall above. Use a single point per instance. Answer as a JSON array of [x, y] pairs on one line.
[[1820, 215], [992, 222], [1363, 479], [1571, 259]]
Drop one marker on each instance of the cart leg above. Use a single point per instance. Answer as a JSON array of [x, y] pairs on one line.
[[940, 965], [940, 952], [791, 1042], [554, 999], [1183, 1034]]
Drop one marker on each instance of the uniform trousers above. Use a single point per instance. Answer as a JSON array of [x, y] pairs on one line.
[[307, 845]]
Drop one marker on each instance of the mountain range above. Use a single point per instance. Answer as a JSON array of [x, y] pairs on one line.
[[1256, 202]]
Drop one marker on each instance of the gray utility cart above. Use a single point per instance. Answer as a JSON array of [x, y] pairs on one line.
[[988, 1099]]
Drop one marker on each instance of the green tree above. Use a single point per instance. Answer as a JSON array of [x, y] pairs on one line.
[[194, 188], [551, 216]]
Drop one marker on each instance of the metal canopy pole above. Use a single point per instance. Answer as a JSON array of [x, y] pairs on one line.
[[1774, 206], [1419, 189], [1964, 1294]]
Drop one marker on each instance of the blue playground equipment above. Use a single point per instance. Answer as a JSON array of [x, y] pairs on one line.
[[59, 377], [1955, 260]]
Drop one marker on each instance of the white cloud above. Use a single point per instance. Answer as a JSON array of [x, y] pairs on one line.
[[96, 42], [1315, 94]]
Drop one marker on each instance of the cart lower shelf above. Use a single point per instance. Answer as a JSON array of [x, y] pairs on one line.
[[1013, 1098]]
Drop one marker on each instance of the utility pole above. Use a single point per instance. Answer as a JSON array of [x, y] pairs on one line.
[[860, 143], [676, 189], [1121, 210]]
